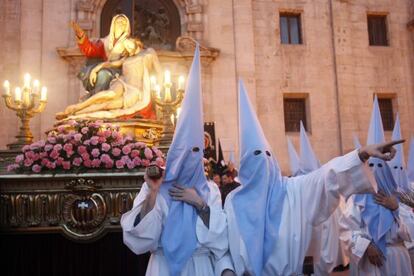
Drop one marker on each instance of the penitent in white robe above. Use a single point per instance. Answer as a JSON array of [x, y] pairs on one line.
[[357, 239], [326, 247], [310, 200], [146, 235]]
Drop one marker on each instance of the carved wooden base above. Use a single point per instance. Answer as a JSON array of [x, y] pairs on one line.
[[83, 207]]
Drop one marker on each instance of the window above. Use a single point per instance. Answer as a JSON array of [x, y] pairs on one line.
[[387, 113], [377, 30], [290, 28], [294, 111]]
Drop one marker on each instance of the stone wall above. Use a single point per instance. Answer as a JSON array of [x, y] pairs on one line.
[[334, 65]]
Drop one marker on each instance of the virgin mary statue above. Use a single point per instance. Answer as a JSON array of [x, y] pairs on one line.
[[129, 94]]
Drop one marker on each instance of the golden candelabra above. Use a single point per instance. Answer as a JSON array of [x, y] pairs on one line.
[[26, 102], [168, 105]]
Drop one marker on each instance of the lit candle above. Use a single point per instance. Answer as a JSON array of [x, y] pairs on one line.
[[6, 86], [153, 81], [158, 91], [27, 78], [43, 94], [167, 76], [36, 85], [17, 94], [181, 82]]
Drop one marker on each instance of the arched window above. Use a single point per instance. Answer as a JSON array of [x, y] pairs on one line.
[[155, 22]]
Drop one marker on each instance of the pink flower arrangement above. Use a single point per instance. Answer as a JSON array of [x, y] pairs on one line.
[[79, 146]]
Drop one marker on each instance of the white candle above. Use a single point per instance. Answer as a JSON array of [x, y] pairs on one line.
[[6, 86], [153, 81], [36, 85], [181, 82], [178, 112], [167, 76], [158, 91], [27, 78], [17, 94], [43, 94]]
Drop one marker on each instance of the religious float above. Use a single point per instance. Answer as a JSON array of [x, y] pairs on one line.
[[85, 172]]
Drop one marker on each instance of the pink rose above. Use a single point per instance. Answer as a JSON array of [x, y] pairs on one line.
[[54, 154], [28, 162], [95, 153], [87, 163], [107, 133], [77, 161], [159, 162], [81, 150], [34, 146], [137, 161], [94, 140], [85, 156], [126, 149], [120, 164], [77, 137], [36, 168], [134, 153], [101, 140], [145, 163], [29, 154], [57, 147], [44, 161], [116, 151], [51, 165], [109, 164], [130, 164], [25, 148], [139, 145], [84, 130], [68, 147], [87, 142], [106, 147], [19, 158], [125, 158], [148, 153], [69, 153], [48, 147], [51, 139], [36, 157], [43, 154], [66, 165], [96, 163], [105, 158], [73, 123], [59, 161], [61, 129]]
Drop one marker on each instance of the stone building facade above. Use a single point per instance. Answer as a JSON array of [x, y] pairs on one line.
[[330, 68]]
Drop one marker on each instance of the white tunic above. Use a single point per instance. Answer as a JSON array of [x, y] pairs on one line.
[[310, 200], [357, 239], [146, 235]]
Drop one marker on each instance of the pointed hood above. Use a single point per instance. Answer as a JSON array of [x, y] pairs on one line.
[[410, 163], [258, 204], [378, 219], [293, 158], [397, 165], [357, 143], [308, 161], [376, 130], [185, 167]]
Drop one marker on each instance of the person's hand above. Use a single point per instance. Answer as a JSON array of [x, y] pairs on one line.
[[94, 74], [228, 272], [78, 30], [384, 151], [374, 255], [154, 184], [389, 202], [188, 195]]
